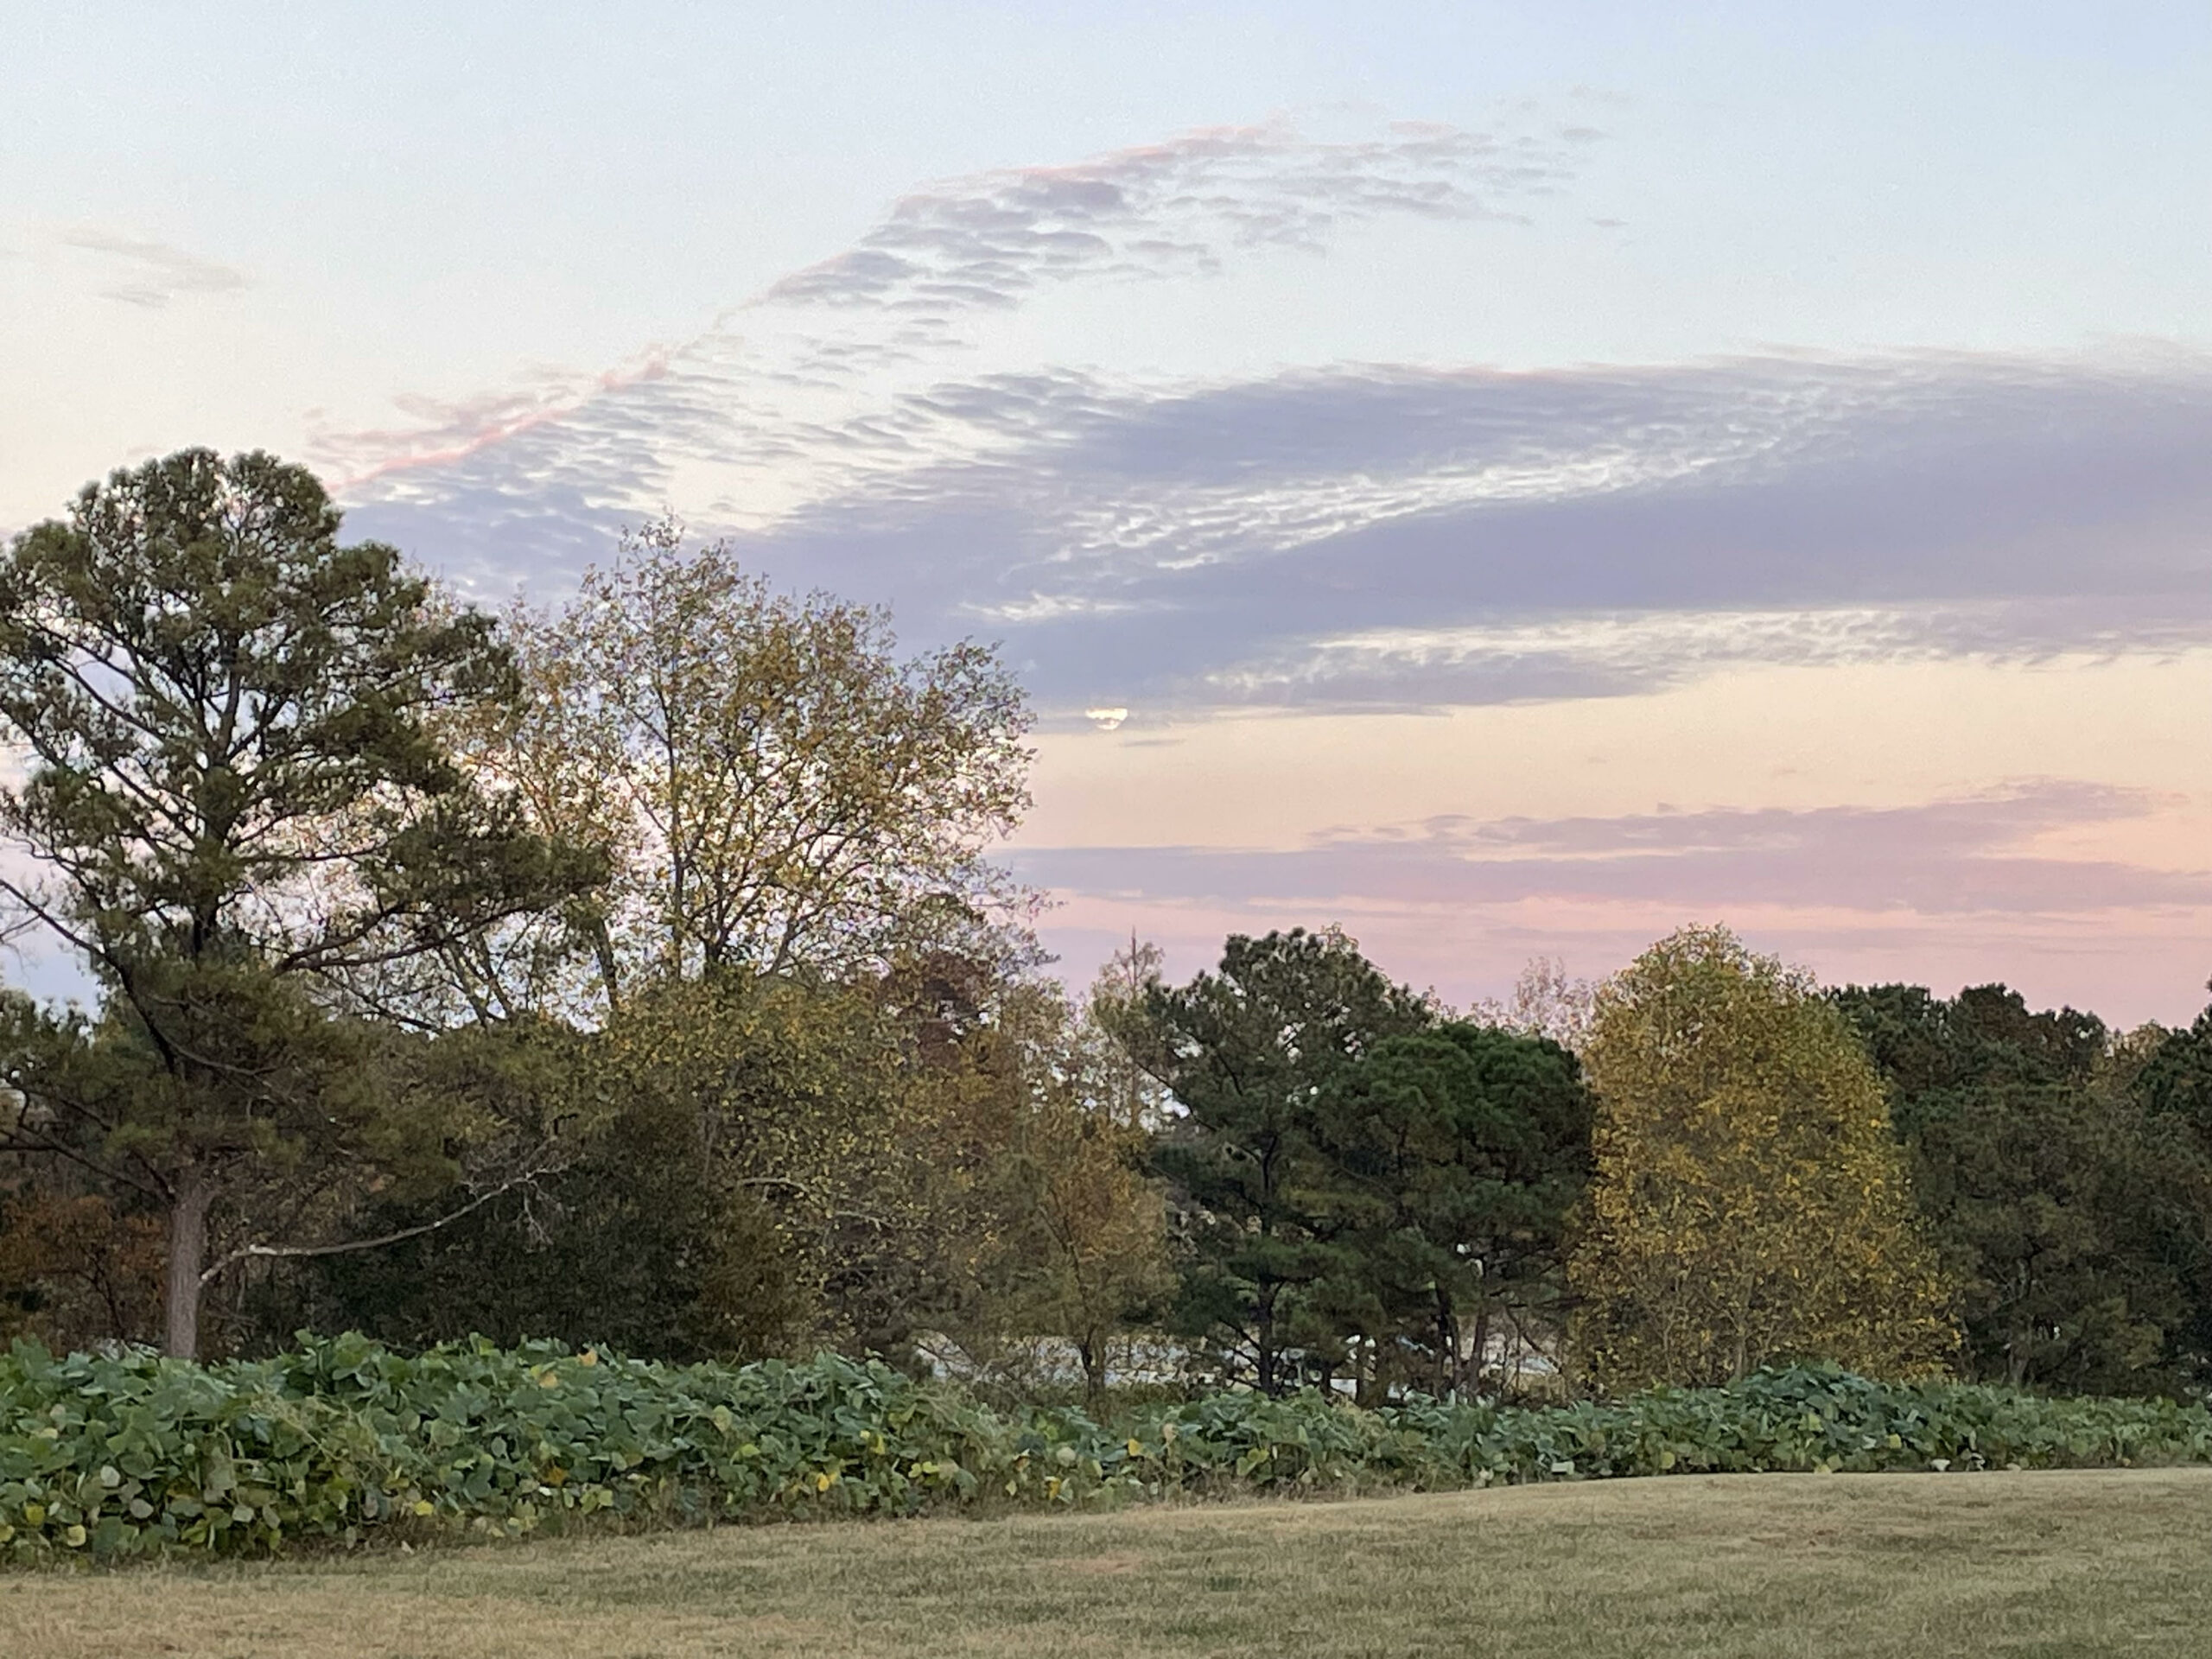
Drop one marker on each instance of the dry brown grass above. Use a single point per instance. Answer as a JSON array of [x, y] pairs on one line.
[[2043, 1565]]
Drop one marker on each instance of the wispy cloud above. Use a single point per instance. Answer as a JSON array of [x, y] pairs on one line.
[[1992, 885], [1394, 536], [1386, 536], [1348, 536], [442, 431], [151, 274], [797, 394], [1948, 858], [1174, 208]]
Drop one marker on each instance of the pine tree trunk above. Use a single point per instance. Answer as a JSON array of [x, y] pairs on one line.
[[187, 1253], [1092, 1351], [1447, 1372], [1265, 1341]]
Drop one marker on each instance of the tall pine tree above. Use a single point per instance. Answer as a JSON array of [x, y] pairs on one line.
[[1247, 1052], [241, 808]]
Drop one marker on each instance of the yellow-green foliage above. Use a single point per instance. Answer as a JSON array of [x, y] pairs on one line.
[[1750, 1202]]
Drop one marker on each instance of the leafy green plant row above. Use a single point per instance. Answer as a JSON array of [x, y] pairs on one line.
[[341, 1439]]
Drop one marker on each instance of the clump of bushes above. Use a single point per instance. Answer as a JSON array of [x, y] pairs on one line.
[[342, 1441]]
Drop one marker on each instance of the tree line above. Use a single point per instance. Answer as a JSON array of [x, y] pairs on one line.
[[633, 971]]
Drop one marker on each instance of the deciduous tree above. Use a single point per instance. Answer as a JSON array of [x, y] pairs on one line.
[[76, 1268], [779, 789], [1748, 1202], [643, 1238], [1057, 1142]]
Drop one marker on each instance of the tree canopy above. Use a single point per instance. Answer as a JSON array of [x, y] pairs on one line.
[[2058, 1171], [1453, 1155], [637, 969], [1363, 1185], [778, 788], [1748, 1203], [240, 807], [1246, 1052]]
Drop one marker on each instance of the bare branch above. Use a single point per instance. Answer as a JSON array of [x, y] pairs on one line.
[[806, 1190], [348, 1247]]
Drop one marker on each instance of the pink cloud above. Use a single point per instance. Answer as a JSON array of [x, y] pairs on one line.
[[1948, 892]]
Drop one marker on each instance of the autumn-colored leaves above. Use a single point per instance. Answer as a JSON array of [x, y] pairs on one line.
[[1750, 1202]]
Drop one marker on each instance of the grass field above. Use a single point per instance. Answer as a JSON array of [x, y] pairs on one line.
[[1770, 1565]]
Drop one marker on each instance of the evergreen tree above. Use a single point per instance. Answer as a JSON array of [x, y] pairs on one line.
[[2058, 1174], [1246, 1052], [241, 806], [1455, 1156]]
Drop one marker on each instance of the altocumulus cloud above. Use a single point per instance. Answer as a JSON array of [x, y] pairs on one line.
[[1166, 209], [841, 377], [1395, 536], [1392, 535], [1388, 535]]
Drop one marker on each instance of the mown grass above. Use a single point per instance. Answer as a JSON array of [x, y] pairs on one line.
[[2043, 1564]]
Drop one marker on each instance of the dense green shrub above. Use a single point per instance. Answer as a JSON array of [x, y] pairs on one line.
[[340, 1439]]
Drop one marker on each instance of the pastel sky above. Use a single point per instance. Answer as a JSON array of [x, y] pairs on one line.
[[1533, 476]]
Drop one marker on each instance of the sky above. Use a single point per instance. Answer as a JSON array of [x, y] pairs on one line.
[[1509, 480]]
